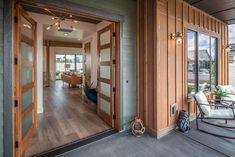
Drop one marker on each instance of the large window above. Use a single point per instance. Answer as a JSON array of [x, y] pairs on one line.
[[71, 63], [231, 34], [202, 65]]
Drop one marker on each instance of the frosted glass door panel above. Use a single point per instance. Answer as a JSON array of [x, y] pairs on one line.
[[105, 106], [105, 89], [27, 52], [105, 38], [27, 99], [105, 55], [27, 28], [105, 72], [26, 124], [26, 75]]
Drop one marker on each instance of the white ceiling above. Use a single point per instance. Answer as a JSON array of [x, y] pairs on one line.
[[83, 29]]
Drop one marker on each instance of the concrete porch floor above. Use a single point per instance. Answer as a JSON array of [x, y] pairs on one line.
[[191, 144]]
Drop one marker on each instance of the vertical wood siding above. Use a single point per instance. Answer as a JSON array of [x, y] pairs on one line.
[[170, 75]]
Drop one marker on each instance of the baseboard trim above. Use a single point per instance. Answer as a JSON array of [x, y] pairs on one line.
[[74, 145], [163, 132]]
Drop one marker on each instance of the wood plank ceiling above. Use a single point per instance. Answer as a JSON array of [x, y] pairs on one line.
[[221, 9]]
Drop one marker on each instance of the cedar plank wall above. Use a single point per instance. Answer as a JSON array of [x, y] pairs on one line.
[[162, 65]]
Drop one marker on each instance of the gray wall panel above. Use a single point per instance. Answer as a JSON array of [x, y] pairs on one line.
[[126, 8], [1, 78]]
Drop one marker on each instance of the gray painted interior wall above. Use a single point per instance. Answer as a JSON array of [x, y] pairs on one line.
[[1, 78], [126, 8]]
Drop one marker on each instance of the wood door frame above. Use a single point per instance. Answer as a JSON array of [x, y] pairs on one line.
[[76, 9]]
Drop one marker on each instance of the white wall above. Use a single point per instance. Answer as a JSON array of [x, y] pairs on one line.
[[232, 74], [39, 63], [94, 56]]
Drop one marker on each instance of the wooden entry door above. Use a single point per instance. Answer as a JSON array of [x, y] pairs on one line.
[[25, 82], [87, 55], [106, 74]]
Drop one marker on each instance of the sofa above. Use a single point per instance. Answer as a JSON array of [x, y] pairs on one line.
[[71, 78]]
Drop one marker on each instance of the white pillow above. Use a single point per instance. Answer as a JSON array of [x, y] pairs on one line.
[[202, 99], [232, 90], [225, 89]]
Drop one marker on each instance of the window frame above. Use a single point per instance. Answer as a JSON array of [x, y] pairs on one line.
[[197, 32], [75, 60]]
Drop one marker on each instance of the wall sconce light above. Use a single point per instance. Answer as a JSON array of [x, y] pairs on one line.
[[228, 48], [177, 36]]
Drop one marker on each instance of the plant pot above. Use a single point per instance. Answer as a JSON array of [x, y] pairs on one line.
[[218, 99]]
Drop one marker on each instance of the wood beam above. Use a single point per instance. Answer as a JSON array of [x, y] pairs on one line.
[[62, 44]]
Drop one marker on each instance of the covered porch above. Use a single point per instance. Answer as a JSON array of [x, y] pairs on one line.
[[191, 144]]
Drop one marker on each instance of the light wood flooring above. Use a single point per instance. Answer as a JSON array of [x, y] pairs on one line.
[[68, 116]]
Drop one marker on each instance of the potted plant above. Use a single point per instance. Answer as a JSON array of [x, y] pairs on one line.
[[219, 94]]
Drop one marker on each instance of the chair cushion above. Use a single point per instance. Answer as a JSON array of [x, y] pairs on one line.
[[227, 88], [221, 113], [202, 99]]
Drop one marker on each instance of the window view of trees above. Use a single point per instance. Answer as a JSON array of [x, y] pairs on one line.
[[204, 62], [72, 63], [231, 34], [191, 62], [202, 66]]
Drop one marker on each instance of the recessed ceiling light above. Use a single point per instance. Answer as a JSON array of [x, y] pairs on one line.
[[53, 18], [79, 39], [70, 16], [75, 21], [49, 27], [66, 34]]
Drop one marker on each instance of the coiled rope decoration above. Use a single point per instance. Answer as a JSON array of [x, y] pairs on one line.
[[137, 127]]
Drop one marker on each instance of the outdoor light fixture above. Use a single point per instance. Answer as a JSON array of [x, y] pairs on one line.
[[228, 48], [177, 36]]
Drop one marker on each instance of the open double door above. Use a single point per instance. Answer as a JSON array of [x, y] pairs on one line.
[[106, 74], [25, 77]]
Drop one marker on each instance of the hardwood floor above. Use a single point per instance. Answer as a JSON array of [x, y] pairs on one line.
[[67, 117]]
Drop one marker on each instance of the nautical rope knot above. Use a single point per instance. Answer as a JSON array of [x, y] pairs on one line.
[[137, 127]]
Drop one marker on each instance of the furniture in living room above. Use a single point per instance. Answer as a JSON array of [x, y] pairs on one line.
[[71, 78], [90, 93]]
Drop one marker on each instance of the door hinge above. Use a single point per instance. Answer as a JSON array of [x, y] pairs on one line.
[[16, 144], [16, 60], [114, 117], [114, 89], [114, 34], [16, 103], [16, 19], [114, 61]]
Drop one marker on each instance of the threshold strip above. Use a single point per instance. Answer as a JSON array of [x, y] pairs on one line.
[[74, 145]]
